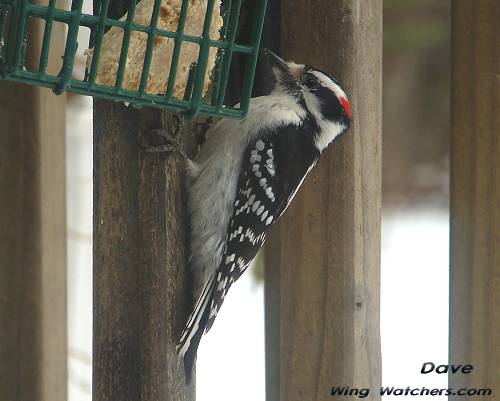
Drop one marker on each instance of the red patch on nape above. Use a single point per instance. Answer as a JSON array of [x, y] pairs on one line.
[[347, 107]]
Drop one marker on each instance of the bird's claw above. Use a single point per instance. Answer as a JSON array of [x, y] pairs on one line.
[[202, 128]]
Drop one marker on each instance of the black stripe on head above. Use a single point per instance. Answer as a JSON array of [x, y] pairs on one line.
[[330, 106]]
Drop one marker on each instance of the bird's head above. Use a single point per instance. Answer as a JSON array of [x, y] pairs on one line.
[[320, 93]]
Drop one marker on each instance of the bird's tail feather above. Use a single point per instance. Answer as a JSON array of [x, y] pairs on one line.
[[191, 336]]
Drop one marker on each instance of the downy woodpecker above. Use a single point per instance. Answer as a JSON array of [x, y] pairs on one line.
[[246, 174]]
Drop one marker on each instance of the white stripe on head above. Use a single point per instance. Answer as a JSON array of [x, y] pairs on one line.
[[328, 83]]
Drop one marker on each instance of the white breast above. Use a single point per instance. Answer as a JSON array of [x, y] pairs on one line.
[[215, 173]]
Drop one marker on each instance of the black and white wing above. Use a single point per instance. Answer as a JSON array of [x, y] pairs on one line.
[[273, 167]]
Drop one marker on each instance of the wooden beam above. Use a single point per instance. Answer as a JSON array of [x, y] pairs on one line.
[[323, 258], [141, 297], [33, 338], [475, 194]]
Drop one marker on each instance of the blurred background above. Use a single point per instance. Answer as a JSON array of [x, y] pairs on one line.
[[415, 215], [414, 312]]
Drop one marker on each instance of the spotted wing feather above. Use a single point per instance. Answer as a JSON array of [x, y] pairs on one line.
[[273, 169]]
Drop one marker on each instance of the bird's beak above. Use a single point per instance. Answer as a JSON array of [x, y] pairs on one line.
[[276, 60]]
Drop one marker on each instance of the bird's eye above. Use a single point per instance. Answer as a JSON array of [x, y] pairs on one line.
[[311, 82]]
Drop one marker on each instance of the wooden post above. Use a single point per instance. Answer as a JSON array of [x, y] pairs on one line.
[[323, 259], [33, 338], [475, 194], [141, 298], [141, 294]]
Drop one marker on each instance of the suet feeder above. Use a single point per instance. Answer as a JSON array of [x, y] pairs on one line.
[[174, 54]]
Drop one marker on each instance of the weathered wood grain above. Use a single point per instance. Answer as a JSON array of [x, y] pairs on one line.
[[141, 296], [33, 339], [475, 194], [323, 258]]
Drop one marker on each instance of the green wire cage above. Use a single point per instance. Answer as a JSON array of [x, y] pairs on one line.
[[212, 61]]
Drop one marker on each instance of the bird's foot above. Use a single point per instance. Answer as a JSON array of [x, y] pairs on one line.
[[202, 128]]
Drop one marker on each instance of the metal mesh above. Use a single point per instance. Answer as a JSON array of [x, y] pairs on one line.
[[15, 16]]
